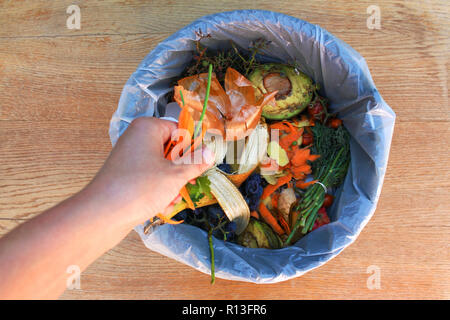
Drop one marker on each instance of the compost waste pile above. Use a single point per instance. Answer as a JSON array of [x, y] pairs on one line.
[[280, 154]]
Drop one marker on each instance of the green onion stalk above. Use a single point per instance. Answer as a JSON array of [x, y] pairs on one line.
[[203, 222], [330, 170], [211, 250], [196, 132], [205, 104]]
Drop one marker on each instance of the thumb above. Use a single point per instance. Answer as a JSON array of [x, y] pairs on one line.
[[192, 171]]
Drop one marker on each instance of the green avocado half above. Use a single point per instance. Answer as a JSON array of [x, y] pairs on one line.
[[295, 89]]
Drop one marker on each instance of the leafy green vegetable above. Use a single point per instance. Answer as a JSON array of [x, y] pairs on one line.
[[328, 142], [200, 189], [330, 170]]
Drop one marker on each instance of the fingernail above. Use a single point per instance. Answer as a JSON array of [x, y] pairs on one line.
[[208, 155]]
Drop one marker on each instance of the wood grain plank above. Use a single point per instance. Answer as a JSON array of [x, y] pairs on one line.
[[42, 163], [48, 18], [60, 87], [66, 78], [6, 225], [131, 271], [76, 79], [128, 271]]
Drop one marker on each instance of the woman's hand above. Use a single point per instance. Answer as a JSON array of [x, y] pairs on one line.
[[135, 183], [137, 177]]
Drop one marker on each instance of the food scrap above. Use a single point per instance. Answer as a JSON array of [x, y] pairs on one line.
[[290, 154]]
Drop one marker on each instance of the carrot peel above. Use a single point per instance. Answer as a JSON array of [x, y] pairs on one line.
[[284, 224], [304, 185], [271, 188], [270, 219], [255, 214], [185, 195], [167, 220]]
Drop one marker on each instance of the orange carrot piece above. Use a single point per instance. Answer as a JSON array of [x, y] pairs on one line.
[[299, 176], [279, 126], [167, 220], [255, 214], [284, 224], [271, 188], [286, 141], [313, 157], [291, 127], [198, 140], [301, 169], [168, 147], [300, 156], [304, 185], [270, 219], [185, 121], [185, 195], [274, 200]]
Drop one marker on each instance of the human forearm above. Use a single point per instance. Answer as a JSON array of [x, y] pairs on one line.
[[35, 256], [135, 183]]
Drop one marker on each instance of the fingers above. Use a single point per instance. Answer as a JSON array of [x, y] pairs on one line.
[[169, 209], [166, 128], [158, 128], [190, 171], [176, 200], [152, 131]]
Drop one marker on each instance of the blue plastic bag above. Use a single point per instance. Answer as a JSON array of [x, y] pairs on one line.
[[345, 80]]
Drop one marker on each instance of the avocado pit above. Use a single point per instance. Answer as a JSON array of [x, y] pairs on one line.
[[276, 82], [294, 90]]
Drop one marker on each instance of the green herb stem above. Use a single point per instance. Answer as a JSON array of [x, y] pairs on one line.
[[211, 250], [205, 104], [310, 222], [335, 158], [182, 98]]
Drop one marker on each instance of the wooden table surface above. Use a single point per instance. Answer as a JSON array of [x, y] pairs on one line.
[[59, 88]]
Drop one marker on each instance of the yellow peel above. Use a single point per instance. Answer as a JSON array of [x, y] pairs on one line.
[[229, 198]]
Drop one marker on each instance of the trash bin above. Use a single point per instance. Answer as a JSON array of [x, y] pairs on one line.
[[345, 80]]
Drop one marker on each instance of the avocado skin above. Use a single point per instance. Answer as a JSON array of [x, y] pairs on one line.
[[300, 96], [259, 235]]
